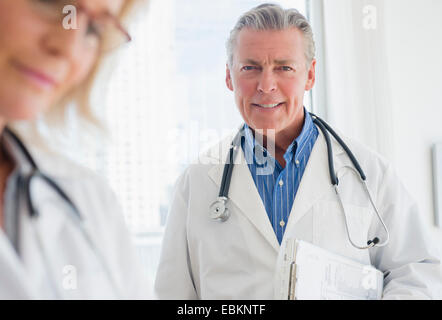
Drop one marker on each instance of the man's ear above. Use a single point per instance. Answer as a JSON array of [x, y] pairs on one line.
[[228, 78], [311, 76]]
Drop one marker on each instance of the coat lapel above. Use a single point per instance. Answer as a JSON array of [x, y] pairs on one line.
[[245, 196], [14, 279], [315, 182]]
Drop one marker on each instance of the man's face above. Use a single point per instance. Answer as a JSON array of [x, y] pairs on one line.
[[269, 77]]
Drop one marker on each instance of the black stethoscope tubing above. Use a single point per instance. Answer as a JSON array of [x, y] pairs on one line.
[[324, 127], [36, 172], [228, 169]]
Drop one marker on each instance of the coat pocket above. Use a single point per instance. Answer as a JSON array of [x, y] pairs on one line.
[[330, 232]]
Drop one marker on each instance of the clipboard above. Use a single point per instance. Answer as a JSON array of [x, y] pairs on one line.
[[308, 272]]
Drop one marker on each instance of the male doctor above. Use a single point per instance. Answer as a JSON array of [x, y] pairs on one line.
[[270, 66]]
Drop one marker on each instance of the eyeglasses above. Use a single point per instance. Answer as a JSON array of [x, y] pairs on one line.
[[103, 30]]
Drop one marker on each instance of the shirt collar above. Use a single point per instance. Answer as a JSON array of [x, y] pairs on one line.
[[293, 150], [297, 146], [251, 146]]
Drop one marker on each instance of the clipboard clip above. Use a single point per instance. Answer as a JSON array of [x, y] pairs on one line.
[[292, 281]]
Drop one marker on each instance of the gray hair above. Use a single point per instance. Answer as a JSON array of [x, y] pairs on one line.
[[270, 16]]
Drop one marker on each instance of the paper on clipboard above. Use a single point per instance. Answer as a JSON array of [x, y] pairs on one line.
[[311, 273]]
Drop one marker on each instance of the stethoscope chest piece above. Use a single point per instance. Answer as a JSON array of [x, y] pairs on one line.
[[219, 211]]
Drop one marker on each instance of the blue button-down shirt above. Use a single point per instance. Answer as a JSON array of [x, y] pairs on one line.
[[277, 186]]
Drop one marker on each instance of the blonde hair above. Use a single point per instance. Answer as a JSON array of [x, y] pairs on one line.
[[80, 95]]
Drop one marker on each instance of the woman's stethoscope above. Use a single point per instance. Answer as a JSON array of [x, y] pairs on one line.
[[220, 212], [24, 184]]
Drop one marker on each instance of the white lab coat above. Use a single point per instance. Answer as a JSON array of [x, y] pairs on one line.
[[68, 267], [206, 259]]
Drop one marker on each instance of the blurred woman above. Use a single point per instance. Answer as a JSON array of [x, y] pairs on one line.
[[61, 233]]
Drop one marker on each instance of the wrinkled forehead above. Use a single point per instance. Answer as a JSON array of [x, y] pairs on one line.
[[288, 35], [286, 43]]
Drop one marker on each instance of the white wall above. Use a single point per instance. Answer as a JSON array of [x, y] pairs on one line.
[[384, 84], [414, 52]]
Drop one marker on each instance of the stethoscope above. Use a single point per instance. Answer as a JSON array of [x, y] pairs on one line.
[[24, 184], [220, 212]]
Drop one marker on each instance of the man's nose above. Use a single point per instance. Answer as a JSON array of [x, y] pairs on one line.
[[267, 82]]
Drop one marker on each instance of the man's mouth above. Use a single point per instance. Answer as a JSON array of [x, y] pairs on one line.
[[268, 106]]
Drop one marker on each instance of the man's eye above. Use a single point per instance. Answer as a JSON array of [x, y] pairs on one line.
[[48, 1], [249, 68], [52, 4], [286, 68]]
